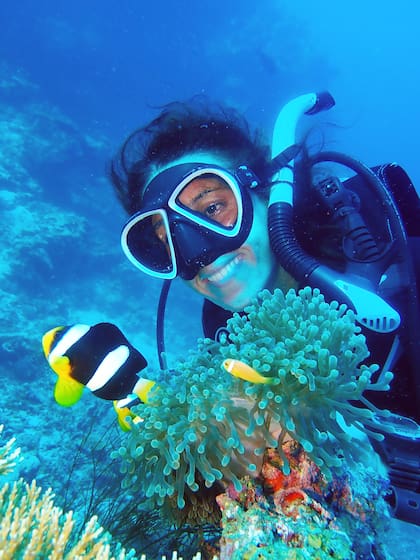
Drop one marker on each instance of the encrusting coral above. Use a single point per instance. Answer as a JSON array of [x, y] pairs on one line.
[[207, 426], [302, 515]]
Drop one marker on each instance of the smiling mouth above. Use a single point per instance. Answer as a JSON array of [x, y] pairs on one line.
[[224, 271]]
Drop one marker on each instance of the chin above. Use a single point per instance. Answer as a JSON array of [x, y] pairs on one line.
[[233, 303]]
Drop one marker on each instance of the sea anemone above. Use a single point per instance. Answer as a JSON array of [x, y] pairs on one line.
[[207, 426], [314, 350], [189, 434]]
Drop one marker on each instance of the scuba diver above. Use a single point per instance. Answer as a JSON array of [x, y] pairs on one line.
[[210, 203]]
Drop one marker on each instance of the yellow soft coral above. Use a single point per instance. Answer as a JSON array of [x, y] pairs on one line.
[[32, 526], [9, 454]]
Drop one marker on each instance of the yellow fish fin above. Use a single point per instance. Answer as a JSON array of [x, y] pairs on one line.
[[122, 414], [143, 388], [244, 371], [48, 339], [61, 366], [67, 391]]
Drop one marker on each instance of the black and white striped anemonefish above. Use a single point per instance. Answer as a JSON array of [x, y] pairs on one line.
[[100, 358]]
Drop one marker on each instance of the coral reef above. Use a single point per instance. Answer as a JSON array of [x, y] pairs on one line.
[[301, 515], [211, 426], [33, 526], [9, 454], [39, 234], [53, 228]]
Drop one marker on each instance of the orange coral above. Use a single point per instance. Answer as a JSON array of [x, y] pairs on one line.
[[303, 472]]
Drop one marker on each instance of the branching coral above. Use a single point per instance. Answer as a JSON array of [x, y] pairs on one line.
[[9, 454], [32, 526], [30, 523], [208, 426]]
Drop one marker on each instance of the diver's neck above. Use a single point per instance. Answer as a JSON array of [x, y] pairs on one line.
[[279, 278]]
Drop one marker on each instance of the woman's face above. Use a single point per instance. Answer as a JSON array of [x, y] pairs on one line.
[[234, 278]]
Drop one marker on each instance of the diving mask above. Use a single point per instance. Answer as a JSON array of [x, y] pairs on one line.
[[191, 214]]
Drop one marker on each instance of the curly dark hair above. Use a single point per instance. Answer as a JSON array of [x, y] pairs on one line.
[[180, 128]]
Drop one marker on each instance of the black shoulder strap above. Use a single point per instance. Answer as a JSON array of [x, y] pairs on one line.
[[404, 193], [214, 319]]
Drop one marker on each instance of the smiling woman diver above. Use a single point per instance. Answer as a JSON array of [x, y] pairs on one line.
[[211, 203]]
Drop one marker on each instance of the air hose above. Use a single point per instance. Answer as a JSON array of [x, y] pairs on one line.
[[357, 292], [285, 245]]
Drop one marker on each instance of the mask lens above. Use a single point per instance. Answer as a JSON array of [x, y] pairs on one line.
[[210, 200], [205, 207], [147, 243]]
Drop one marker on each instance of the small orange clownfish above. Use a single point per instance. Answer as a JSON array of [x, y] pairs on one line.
[[243, 371], [100, 358]]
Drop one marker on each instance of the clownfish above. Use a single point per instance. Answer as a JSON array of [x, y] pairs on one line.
[[123, 411], [100, 358], [245, 372]]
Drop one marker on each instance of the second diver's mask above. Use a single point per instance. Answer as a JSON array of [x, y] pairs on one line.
[[192, 213]]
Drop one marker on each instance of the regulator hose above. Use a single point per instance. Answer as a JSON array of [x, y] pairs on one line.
[[285, 245], [283, 239]]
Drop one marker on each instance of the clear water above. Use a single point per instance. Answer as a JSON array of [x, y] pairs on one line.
[[75, 79]]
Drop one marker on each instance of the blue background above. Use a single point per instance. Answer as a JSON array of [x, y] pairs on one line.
[[77, 77], [106, 64]]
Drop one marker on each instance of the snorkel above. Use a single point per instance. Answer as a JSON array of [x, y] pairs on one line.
[[358, 293]]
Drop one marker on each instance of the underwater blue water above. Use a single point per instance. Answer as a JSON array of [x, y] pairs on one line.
[[76, 77]]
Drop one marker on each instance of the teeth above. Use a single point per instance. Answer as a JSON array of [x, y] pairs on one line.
[[223, 272]]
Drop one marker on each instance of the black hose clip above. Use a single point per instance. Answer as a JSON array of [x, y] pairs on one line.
[[342, 206], [402, 457]]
